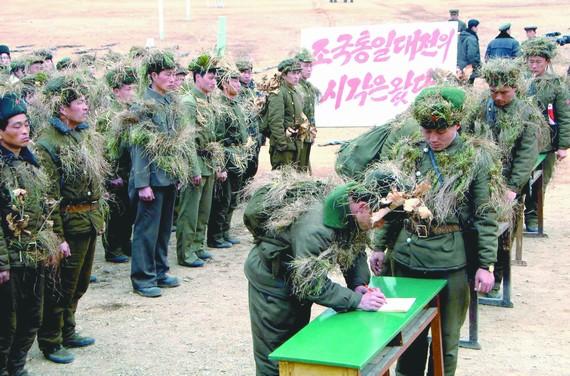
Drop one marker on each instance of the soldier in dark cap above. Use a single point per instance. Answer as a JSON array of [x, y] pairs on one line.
[[181, 74], [249, 97], [454, 16], [5, 58], [284, 117], [468, 51], [310, 95], [530, 31], [27, 241], [48, 59], [504, 45]]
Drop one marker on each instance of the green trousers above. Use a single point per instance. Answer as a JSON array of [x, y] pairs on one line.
[[273, 321], [21, 300], [195, 203], [117, 236], [305, 156], [64, 287], [224, 203], [454, 301], [531, 199]]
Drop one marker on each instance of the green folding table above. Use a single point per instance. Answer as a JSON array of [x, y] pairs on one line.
[[365, 343]]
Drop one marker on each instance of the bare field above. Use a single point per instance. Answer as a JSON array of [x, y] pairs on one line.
[[202, 327]]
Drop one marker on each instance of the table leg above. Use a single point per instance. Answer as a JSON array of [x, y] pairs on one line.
[[436, 342], [473, 341]]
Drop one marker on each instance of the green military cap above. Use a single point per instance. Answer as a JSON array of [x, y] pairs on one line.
[[453, 12], [120, 76], [36, 79], [11, 105], [502, 72], [243, 65], [541, 46], [530, 27], [203, 63], [439, 107], [504, 27], [87, 60], [289, 65], [4, 49], [137, 52], [305, 56], [64, 64]]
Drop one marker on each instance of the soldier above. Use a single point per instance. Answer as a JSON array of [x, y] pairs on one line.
[[550, 94], [513, 124], [181, 74], [69, 152], [117, 238], [429, 243], [530, 31], [5, 58], [48, 64], [504, 45], [152, 188], [310, 95], [249, 99], [284, 116], [196, 200], [231, 130], [25, 246], [454, 16], [282, 266], [468, 53]]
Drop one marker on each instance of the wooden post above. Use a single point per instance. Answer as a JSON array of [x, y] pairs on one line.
[[161, 19], [221, 40], [188, 10]]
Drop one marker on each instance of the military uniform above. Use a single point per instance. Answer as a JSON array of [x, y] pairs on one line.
[[248, 96], [196, 201], [309, 94], [549, 90], [21, 296], [153, 220], [79, 221], [461, 26], [231, 132], [275, 313], [436, 248]]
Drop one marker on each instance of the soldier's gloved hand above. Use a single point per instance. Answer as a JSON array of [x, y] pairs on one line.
[[376, 261], [4, 276], [146, 194], [484, 281], [372, 300]]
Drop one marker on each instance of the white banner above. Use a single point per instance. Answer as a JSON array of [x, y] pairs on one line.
[[369, 74]]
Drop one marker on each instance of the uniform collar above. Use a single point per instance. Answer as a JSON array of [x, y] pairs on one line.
[[63, 128], [198, 94], [25, 155]]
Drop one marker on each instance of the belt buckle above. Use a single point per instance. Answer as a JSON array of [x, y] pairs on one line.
[[422, 231]]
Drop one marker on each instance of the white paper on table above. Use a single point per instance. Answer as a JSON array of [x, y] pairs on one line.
[[397, 305]]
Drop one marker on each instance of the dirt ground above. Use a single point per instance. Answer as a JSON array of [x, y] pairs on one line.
[[202, 327]]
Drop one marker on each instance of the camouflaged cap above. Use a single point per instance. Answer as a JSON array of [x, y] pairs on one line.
[[305, 56], [157, 61], [203, 63], [289, 65], [439, 107], [243, 65], [502, 72], [540, 46], [120, 76], [63, 90]]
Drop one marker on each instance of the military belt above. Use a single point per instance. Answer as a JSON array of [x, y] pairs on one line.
[[81, 207], [425, 231]]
